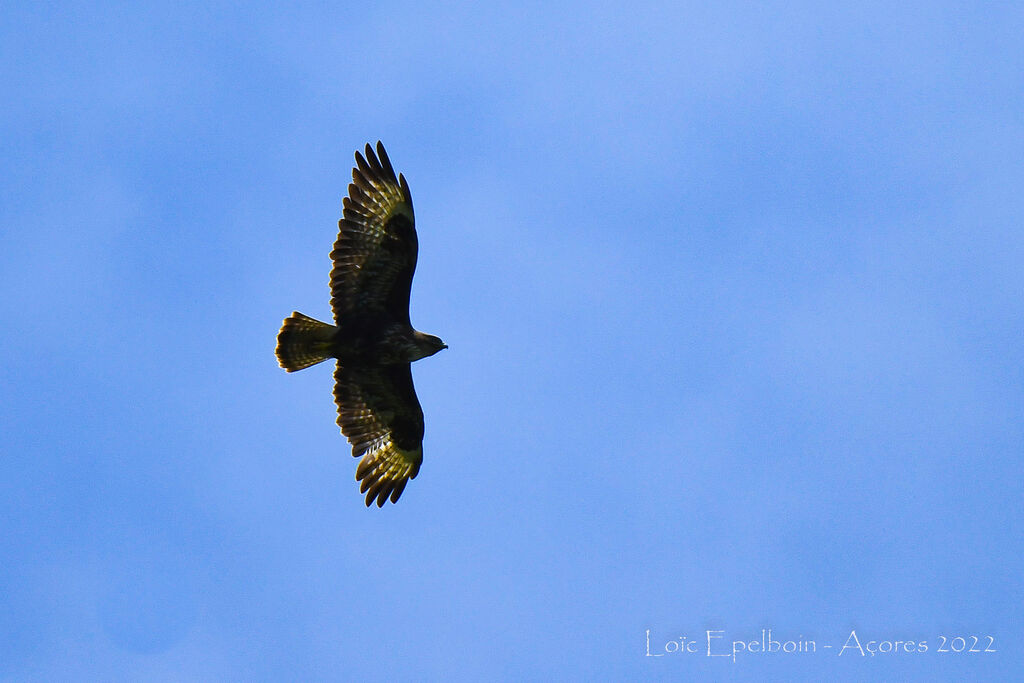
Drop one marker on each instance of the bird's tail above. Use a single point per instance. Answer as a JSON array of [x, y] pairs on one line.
[[303, 341]]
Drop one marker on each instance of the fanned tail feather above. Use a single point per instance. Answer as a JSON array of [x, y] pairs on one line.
[[303, 341]]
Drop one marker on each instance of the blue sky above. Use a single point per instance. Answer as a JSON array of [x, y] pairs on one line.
[[734, 300]]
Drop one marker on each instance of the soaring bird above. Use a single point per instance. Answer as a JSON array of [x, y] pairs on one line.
[[371, 338]]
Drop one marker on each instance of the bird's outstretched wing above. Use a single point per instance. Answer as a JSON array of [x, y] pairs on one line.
[[379, 413], [375, 253]]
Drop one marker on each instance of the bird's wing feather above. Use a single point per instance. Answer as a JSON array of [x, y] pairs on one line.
[[379, 413], [375, 253]]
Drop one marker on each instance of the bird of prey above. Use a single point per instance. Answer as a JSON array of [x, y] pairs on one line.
[[371, 338]]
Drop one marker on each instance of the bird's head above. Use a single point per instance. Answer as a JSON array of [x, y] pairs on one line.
[[428, 345]]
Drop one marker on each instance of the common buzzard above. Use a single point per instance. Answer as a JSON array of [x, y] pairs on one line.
[[374, 259]]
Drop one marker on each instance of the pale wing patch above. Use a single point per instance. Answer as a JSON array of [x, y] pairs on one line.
[[385, 470]]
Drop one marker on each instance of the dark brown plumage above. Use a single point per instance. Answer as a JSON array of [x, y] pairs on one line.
[[374, 261]]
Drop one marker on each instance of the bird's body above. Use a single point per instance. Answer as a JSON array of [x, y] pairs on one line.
[[366, 338], [372, 338]]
